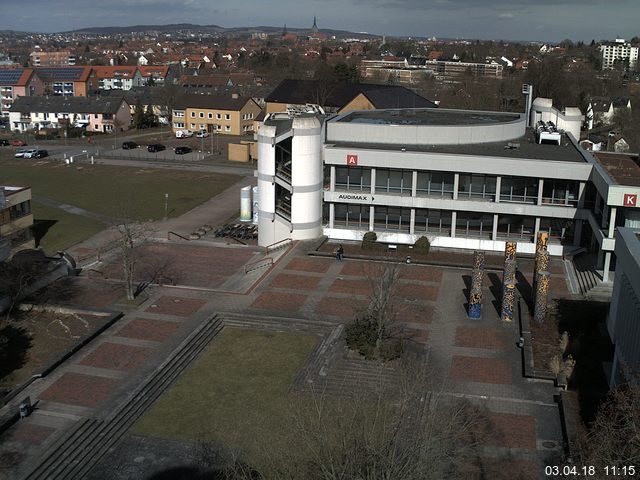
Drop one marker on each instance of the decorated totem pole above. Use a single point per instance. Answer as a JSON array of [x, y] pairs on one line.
[[475, 297]]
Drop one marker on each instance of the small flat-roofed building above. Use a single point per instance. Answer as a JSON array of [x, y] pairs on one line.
[[16, 220]]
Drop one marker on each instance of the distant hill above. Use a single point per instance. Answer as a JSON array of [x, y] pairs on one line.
[[194, 28]]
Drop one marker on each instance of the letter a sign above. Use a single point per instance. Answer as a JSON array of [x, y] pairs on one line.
[[630, 199], [352, 160]]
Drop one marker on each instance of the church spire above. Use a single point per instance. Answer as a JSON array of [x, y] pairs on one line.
[[314, 28], [284, 30]]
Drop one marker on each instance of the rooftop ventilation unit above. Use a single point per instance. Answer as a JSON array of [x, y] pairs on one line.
[[547, 132]]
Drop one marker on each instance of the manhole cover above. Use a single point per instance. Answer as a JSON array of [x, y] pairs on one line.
[[549, 444]]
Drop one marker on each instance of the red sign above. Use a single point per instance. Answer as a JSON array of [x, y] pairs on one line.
[[352, 160], [630, 199]]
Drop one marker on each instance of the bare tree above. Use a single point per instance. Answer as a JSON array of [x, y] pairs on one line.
[[130, 235], [613, 439], [405, 432]]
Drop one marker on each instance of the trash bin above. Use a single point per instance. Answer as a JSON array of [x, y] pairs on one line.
[[408, 259], [24, 410]]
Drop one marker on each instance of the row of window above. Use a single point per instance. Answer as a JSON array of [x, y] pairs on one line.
[[209, 115], [14, 212], [439, 222], [441, 184]]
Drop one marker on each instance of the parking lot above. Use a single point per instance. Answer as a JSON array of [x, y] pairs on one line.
[[213, 148]]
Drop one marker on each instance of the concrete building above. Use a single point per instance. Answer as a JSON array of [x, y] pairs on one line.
[[619, 52], [624, 314], [16, 220], [464, 179]]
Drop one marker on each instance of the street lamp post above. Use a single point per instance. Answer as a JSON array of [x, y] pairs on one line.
[[166, 205]]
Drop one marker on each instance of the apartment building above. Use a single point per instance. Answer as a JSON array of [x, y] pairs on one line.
[[618, 52], [228, 115], [17, 82], [52, 59], [66, 81], [117, 78], [16, 220], [95, 114]]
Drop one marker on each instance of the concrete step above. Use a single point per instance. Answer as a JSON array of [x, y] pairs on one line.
[[80, 450]]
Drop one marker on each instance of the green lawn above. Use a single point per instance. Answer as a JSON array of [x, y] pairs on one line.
[[235, 394], [56, 229], [130, 192]]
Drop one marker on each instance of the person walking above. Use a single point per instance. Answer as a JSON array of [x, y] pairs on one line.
[[340, 253]]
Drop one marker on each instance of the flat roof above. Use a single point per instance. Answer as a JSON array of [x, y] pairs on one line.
[[527, 149], [428, 116], [622, 168]]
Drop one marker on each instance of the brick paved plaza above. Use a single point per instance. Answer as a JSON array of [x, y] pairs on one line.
[[477, 360]]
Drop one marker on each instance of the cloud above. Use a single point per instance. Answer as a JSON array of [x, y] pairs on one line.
[[506, 15]]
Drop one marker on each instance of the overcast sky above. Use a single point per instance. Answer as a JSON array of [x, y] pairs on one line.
[[545, 20]]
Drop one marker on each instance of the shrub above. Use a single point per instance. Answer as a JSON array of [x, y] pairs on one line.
[[361, 335], [369, 241], [422, 245]]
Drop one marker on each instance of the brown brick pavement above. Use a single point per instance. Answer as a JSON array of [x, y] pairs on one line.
[[30, 433], [484, 370], [480, 337], [147, 329], [502, 469], [413, 333], [512, 431], [184, 264], [416, 292], [357, 268], [414, 313], [351, 287], [295, 282], [115, 356], [93, 292], [419, 272], [288, 302], [340, 306], [315, 265], [79, 389], [178, 306]]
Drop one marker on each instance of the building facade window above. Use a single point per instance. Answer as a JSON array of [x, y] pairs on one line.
[[353, 178], [516, 227], [474, 225], [477, 186], [351, 215], [392, 218], [435, 184], [519, 190], [560, 192], [433, 221], [394, 181]]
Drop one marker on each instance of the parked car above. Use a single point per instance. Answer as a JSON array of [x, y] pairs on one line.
[[155, 147], [184, 134], [20, 153], [129, 145], [182, 150], [16, 142], [202, 134], [40, 154], [4, 143], [28, 153]]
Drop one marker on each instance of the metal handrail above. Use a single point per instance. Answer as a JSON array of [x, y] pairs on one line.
[[249, 267], [177, 235], [278, 244]]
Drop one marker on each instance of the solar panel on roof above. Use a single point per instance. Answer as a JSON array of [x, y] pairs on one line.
[[9, 77], [64, 73]]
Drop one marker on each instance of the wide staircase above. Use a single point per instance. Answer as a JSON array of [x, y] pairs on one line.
[[74, 455], [589, 281]]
